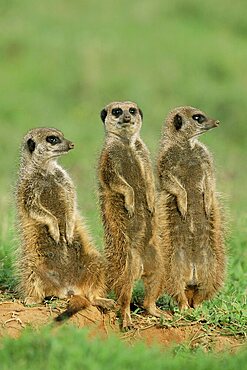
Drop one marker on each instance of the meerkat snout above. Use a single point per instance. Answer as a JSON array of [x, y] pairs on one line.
[[71, 145], [126, 117], [203, 122]]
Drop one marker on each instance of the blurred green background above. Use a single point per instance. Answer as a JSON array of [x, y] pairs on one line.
[[62, 61]]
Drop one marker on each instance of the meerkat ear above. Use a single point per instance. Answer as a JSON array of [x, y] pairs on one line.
[[31, 145], [103, 114], [140, 111], [178, 121]]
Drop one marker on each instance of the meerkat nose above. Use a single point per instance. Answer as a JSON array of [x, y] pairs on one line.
[[71, 145], [217, 123], [126, 118]]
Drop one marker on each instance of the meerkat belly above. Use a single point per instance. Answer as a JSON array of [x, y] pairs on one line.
[[59, 260], [191, 235], [191, 177], [136, 228], [131, 171]]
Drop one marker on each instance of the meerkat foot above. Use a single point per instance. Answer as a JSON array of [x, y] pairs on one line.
[[196, 305], [184, 306], [127, 323], [28, 301], [105, 303], [156, 312]]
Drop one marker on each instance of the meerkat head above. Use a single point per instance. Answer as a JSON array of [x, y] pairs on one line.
[[188, 122], [122, 118], [43, 144]]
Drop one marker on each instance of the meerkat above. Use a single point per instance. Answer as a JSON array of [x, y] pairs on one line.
[[127, 199], [190, 218], [56, 254]]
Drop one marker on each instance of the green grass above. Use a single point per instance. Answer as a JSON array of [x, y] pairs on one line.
[[70, 348], [61, 62]]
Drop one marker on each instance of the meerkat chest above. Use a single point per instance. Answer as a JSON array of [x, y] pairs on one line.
[[190, 166], [131, 167], [56, 194]]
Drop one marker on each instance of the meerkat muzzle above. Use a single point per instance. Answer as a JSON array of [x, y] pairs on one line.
[[126, 117], [214, 123], [71, 145], [211, 124]]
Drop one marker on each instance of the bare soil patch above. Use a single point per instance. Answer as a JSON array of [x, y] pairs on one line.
[[14, 317]]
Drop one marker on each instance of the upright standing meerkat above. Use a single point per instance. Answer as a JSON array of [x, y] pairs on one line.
[[189, 214], [56, 256], [127, 198]]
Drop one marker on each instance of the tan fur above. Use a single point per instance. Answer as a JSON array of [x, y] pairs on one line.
[[127, 198], [56, 256], [190, 219]]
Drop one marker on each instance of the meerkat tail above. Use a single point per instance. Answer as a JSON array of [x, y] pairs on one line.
[[76, 304]]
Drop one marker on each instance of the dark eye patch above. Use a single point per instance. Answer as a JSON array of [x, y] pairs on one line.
[[53, 140], [133, 111], [178, 122], [199, 118], [31, 145], [103, 114], [141, 114], [117, 112]]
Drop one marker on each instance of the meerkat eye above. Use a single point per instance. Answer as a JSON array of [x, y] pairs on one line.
[[132, 111], [199, 118], [53, 140], [117, 112]]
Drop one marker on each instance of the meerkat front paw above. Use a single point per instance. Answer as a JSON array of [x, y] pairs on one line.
[[207, 203], [151, 202], [54, 231], [182, 204], [69, 233], [130, 204], [131, 209], [69, 239]]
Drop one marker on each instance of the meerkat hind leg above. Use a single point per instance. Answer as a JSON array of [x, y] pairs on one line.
[[152, 293], [198, 297], [34, 288], [124, 293], [182, 301], [126, 319]]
